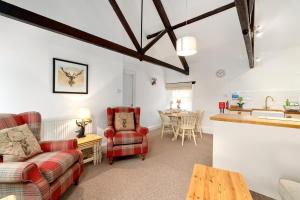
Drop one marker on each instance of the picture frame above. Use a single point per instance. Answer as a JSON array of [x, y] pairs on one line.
[[70, 77]]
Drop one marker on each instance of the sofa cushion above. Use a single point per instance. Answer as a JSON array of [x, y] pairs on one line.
[[124, 121], [53, 164], [289, 190], [18, 143], [127, 137]]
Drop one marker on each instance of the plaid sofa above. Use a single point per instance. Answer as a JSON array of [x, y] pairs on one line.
[[123, 143], [46, 175]]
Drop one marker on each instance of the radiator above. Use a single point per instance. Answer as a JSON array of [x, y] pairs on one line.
[[61, 129]]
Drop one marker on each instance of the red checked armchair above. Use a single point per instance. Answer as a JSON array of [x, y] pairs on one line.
[[46, 175], [124, 143]]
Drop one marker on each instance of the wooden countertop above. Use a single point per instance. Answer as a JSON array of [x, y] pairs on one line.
[[211, 183], [240, 109], [251, 109], [254, 120]]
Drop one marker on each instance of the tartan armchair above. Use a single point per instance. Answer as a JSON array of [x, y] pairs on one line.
[[124, 143], [46, 175]]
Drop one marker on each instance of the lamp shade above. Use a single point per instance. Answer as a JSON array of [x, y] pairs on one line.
[[84, 113], [186, 46]]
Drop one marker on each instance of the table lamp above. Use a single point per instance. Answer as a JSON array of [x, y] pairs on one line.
[[85, 116]]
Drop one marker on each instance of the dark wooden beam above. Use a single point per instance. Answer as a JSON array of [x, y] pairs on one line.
[[161, 63], [252, 26], [251, 4], [125, 24], [28, 17], [164, 18], [152, 42], [243, 13], [195, 19]]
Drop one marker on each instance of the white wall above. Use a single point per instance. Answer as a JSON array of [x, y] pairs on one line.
[[26, 54], [150, 98], [278, 76], [26, 73]]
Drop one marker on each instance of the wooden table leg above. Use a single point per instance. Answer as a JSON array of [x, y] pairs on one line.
[[95, 154], [100, 153]]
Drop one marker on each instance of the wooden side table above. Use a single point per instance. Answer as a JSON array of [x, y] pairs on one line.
[[10, 197], [91, 141]]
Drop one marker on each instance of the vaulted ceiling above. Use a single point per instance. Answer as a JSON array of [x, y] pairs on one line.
[[219, 35]]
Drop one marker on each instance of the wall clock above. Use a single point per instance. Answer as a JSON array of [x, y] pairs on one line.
[[220, 73]]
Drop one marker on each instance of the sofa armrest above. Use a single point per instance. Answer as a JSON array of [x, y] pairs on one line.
[[142, 130], [14, 174], [59, 145], [19, 172], [109, 132]]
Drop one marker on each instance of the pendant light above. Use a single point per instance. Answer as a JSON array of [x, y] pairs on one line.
[[187, 45]]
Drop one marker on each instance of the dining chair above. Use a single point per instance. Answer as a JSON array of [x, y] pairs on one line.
[[199, 122], [167, 124], [186, 126]]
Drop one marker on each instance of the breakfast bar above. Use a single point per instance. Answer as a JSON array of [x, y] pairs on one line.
[[262, 149]]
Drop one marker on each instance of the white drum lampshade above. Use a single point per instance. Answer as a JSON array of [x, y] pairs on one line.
[[84, 114], [186, 46]]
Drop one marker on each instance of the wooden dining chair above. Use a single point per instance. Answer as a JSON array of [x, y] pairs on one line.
[[199, 122], [186, 127], [166, 123]]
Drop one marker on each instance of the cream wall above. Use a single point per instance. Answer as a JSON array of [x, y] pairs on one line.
[[26, 73], [278, 73], [26, 54], [278, 76], [150, 98]]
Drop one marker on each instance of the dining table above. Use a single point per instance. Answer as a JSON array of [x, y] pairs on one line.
[[175, 115]]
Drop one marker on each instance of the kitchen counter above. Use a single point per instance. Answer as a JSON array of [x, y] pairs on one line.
[[262, 150], [253, 120], [251, 109]]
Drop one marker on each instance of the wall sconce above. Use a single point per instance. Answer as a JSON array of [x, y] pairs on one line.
[[153, 81], [85, 116]]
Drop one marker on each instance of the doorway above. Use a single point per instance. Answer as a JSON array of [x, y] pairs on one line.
[[129, 88]]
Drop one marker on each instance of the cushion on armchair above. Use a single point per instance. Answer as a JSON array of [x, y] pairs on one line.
[[18, 143], [124, 121], [127, 137]]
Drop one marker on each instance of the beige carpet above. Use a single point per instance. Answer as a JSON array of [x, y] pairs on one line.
[[164, 175]]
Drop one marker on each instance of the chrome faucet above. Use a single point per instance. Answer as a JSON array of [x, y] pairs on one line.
[[266, 102]]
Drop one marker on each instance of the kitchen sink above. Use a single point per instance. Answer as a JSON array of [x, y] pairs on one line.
[[267, 113]]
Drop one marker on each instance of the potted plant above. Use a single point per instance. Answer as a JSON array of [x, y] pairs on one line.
[[240, 102]]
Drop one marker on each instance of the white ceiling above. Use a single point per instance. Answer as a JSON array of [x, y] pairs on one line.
[[219, 33], [219, 37]]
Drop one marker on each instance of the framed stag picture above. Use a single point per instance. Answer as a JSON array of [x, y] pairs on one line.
[[69, 77]]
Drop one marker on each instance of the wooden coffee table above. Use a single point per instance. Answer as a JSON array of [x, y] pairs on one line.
[[210, 183]]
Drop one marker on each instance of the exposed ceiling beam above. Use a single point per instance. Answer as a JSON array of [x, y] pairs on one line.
[[252, 25], [244, 17], [125, 24], [195, 19], [164, 18], [152, 42], [28, 17], [251, 4]]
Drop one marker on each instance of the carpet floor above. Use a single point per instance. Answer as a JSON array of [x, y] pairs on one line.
[[164, 174]]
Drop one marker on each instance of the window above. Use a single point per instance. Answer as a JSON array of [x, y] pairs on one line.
[[185, 96]]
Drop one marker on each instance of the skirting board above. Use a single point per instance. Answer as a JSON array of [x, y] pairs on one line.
[[207, 129], [154, 127]]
